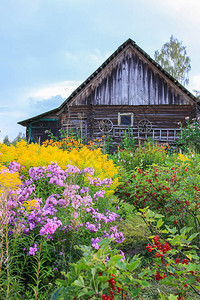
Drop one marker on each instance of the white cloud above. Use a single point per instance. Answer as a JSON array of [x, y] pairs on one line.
[[184, 10], [63, 88], [85, 57]]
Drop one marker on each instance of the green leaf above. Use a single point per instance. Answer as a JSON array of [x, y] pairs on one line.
[[133, 265], [159, 223], [171, 230], [83, 292], [193, 236], [172, 297], [191, 267], [93, 271], [144, 283], [115, 259], [159, 216], [79, 282], [121, 265]]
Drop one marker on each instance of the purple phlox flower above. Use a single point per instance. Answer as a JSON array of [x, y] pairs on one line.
[[25, 192], [75, 187], [99, 194], [75, 215], [52, 199], [50, 227], [113, 233], [111, 216], [122, 254], [92, 227], [95, 181], [32, 250], [37, 173], [107, 182], [88, 171], [55, 269], [60, 253], [72, 169], [84, 190], [76, 201], [86, 201], [70, 192], [94, 243], [56, 174], [14, 166]]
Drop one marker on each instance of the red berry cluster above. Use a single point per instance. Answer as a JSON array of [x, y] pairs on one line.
[[111, 289], [159, 277], [163, 248], [179, 296]]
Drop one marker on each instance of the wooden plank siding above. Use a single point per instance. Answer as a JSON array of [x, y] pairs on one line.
[[162, 117], [133, 81]]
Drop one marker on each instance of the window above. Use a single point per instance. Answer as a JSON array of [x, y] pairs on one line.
[[125, 119]]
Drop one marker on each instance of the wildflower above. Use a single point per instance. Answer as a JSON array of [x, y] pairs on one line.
[[32, 250]]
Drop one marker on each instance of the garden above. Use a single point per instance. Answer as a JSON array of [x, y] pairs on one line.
[[79, 223]]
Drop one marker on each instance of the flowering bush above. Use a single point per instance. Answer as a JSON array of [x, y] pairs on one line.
[[51, 212], [190, 135], [106, 274], [142, 156], [171, 191], [103, 274], [34, 155], [176, 261]]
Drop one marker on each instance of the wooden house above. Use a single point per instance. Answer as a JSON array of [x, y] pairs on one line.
[[129, 90]]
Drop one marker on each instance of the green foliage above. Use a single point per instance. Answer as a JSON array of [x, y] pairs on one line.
[[176, 261], [171, 191], [190, 136], [127, 142], [101, 273], [142, 156], [173, 58]]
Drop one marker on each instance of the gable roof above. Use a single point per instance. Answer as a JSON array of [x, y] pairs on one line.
[[127, 43]]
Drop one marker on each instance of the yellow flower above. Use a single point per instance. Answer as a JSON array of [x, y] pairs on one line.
[[31, 204], [183, 157], [34, 155]]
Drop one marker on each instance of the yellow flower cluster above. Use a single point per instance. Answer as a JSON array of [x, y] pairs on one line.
[[31, 204], [183, 158], [34, 155], [66, 143], [8, 180]]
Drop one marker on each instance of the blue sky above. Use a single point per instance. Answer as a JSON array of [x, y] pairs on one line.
[[49, 47]]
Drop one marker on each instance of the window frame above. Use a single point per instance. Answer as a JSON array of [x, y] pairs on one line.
[[125, 114]]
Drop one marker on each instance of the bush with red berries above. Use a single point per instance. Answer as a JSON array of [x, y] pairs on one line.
[[172, 191]]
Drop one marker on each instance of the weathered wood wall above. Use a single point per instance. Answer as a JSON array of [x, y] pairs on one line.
[[161, 116], [131, 80]]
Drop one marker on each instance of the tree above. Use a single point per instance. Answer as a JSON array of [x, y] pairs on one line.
[[6, 141], [173, 59]]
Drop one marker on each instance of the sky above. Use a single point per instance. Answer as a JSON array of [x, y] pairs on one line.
[[49, 47]]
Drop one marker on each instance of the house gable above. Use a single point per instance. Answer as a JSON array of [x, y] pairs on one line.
[[130, 77]]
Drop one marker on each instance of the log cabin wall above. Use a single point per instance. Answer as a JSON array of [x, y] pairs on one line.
[[161, 117]]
